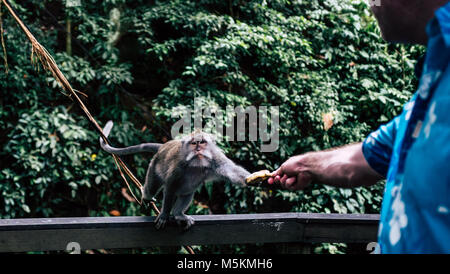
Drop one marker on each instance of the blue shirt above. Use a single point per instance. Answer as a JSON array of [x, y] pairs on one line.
[[413, 152]]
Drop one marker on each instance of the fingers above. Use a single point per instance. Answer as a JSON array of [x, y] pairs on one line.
[[295, 183], [299, 182], [290, 183], [292, 174], [273, 180], [277, 172], [279, 179], [275, 177], [304, 180], [285, 181]]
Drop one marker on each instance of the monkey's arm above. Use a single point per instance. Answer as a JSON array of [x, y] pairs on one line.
[[146, 147], [230, 171]]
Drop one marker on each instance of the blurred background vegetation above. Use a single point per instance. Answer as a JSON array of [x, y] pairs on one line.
[[321, 61]]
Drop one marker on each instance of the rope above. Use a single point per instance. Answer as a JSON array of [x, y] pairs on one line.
[[40, 53]]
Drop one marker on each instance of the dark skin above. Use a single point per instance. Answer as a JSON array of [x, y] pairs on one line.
[[400, 21], [342, 167], [405, 21]]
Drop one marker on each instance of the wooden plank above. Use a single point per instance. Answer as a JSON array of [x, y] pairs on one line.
[[19, 235], [348, 228]]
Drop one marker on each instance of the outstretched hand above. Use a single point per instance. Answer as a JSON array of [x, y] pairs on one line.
[[293, 174], [340, 167]]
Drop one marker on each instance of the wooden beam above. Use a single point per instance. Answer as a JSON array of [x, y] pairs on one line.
[[42, 234]]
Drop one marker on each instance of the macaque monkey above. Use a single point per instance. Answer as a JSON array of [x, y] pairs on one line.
[[180, 167]]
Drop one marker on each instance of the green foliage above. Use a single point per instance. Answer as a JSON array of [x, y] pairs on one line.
[[310, 58], [137, 61], [54, 163], [51, 164]]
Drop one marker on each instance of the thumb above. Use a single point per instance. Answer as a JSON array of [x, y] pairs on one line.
[[276, 175], [276, 172]]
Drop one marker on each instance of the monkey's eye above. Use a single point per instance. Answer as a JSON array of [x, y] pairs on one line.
[[194, 143], [202, 142]]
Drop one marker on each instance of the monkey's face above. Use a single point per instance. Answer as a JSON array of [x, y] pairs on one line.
[[198, 148]]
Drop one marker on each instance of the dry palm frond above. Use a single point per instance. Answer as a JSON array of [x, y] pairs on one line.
[[3, 41], [39, 53]]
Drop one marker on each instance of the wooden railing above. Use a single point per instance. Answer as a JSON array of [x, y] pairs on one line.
[[47, 234]]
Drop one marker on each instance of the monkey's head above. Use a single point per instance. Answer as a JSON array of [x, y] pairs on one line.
[[198, 149]]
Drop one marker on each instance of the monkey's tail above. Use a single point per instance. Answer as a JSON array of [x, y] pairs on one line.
[[146, 147]]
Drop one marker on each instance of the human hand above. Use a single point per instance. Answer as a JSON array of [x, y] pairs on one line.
[[294, 174]]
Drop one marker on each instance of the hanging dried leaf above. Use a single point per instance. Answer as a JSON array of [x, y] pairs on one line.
[[327, 119], [114, 213]]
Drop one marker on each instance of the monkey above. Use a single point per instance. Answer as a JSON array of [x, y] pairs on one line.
[[179, 167]]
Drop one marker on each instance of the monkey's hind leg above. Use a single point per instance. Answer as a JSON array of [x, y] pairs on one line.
[[168, 201], [151, 186], [181, 205]]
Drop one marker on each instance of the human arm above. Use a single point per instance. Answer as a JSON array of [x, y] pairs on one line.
[[360, 164], [341, 167]]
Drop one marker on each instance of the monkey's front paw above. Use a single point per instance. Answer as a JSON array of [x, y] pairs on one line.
[[161, 221], [184, 219]]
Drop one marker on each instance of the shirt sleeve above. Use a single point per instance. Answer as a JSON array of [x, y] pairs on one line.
[[377, 147]]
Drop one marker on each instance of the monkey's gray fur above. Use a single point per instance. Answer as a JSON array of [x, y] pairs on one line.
[[180, 166]]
